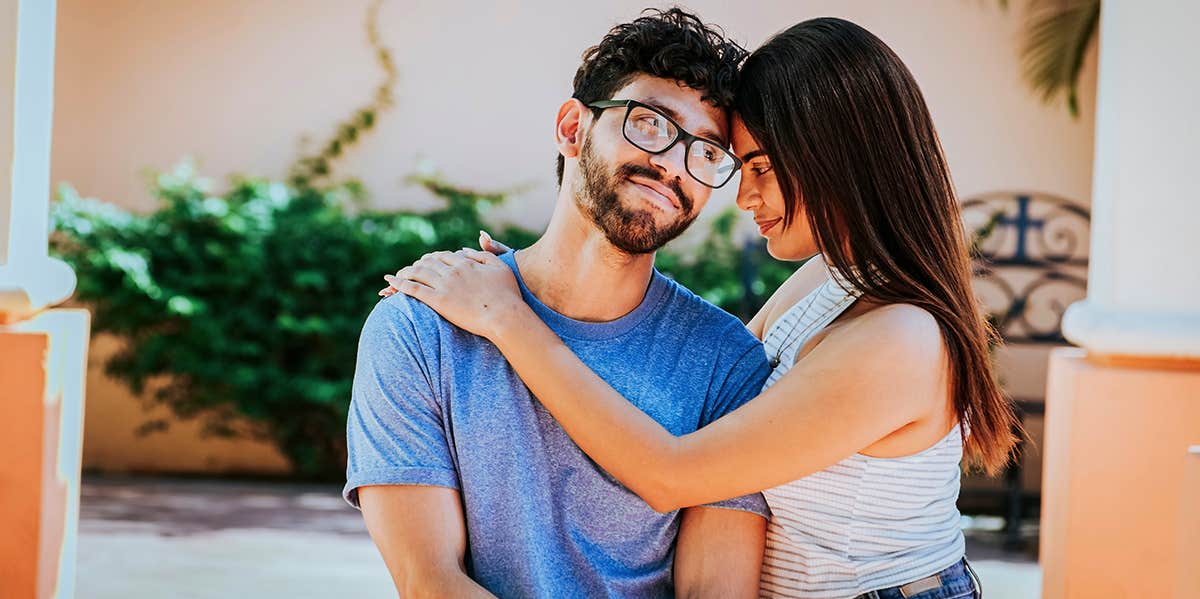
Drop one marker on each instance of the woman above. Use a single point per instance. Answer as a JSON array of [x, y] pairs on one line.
[[881, 379]]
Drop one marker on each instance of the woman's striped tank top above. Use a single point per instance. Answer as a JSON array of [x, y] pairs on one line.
[[864, 523]]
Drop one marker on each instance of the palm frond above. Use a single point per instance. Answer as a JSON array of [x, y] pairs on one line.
[[1056, 42]]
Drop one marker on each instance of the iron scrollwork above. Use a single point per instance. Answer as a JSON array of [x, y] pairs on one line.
[[1031, 256]]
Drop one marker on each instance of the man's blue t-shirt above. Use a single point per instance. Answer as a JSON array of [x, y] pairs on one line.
[[435, 405]]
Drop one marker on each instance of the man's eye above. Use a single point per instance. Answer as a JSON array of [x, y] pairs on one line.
[[650, 123]]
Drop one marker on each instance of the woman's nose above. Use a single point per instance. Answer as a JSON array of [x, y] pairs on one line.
[[747, 196]]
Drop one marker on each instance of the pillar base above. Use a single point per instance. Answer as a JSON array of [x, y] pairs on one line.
[[41, 422], [1121, 487], [1155, 333]]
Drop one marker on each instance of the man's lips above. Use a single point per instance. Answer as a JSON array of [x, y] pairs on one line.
[[766, 224], [657, 190]]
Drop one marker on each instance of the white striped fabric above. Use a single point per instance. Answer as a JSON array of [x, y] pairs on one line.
[[864, 523]]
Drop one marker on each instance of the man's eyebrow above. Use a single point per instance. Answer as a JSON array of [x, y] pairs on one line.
[[751, 155], [667, 110]]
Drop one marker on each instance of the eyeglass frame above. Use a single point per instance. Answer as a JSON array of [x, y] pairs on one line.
[[684, 134]]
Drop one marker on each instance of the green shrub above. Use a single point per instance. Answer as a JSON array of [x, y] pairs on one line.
[[249, 303]]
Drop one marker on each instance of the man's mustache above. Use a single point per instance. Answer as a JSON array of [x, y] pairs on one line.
[[630, 170]]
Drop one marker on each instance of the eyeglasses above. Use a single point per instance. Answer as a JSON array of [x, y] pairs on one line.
[[654, 132]]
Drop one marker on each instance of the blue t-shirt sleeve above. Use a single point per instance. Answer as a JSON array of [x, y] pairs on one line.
[[744, 379], [743, 382], [394, 429]]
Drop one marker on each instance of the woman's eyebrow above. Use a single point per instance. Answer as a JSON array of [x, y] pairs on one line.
[[751, 155]]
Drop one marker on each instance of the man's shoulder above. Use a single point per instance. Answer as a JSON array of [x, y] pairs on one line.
[[400, 307], [707, 318], [737, 364], [404, 319], [399, 310]]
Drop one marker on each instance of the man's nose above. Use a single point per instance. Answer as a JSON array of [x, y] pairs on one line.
[[672, 162]]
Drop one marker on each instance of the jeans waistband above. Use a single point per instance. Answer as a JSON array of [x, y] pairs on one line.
[[958, 581]]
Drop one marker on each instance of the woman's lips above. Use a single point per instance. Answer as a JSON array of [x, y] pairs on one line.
[[767, 225]]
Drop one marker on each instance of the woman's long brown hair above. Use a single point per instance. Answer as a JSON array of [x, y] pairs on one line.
[[853, 145]]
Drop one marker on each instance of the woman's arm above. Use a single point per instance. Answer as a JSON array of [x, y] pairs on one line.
[[853, 389], [880, 372]]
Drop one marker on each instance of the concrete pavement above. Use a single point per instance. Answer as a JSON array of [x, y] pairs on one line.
[[206, 539]]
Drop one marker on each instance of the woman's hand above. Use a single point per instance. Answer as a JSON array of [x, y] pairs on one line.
[[485, 242], [474, 290]]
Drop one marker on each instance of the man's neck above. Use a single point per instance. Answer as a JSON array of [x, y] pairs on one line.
[[575, 271]]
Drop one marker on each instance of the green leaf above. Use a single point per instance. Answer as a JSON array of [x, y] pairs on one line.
[[1056, 41]]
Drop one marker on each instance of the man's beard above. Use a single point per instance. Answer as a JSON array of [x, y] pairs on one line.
[[629, 230]]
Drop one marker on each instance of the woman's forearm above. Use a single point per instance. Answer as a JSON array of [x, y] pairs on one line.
[[821, 411], [784, 434], [622, 439]]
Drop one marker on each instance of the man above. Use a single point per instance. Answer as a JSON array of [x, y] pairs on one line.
[[467, 485]]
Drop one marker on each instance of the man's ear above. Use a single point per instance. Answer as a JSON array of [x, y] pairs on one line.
[[568, 130]]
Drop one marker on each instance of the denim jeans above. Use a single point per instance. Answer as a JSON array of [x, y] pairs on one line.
[[958, 582]]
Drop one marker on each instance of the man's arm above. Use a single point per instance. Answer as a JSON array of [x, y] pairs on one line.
[[719, 553], [420, 533], [400, 471]]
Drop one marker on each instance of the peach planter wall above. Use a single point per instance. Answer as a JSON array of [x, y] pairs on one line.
[[41, 424], [1116, 497]]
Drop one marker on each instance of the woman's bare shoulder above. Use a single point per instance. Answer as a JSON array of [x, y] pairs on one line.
[[892, 337]]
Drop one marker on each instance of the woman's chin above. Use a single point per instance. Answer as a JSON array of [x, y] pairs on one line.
[[782, 252]]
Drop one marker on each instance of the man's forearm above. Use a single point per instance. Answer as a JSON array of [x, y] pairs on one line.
[[719, 553], [419, 576], [448, 583], [420, 532]]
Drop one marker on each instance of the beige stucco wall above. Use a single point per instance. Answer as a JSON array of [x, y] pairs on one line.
[[141, 84]]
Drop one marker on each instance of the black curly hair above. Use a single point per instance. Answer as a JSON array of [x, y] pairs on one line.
[[670, 44]]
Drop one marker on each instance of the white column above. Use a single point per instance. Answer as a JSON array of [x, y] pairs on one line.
[[1144, 276], [29, 279]]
